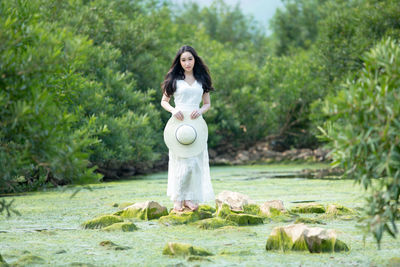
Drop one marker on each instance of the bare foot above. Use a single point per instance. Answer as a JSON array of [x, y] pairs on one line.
[[178, 206], [191, 205]]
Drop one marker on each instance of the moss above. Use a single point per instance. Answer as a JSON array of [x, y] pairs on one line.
[[101, 222], [340, 246], [29, 260], [224, 211], [309, 208], [308, 220], [111, 245], [300, 244], [179, 249], [279, 241], [253, 209], [206, 208], [123, 205], [338, 209], [143, 214], [214, 223], [245, 219], [180, 218], [122, 226]]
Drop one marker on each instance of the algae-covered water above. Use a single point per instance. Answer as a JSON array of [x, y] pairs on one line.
[[50, 224]]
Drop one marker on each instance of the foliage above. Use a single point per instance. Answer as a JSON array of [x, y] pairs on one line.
[[364, 131]]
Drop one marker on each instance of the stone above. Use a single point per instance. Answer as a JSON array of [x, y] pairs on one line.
[[186, 216], [236, 201], [111, 245], [309, 208], [245, 219], [273, 207], [179, 249], [214, 223], [101, 222], [121, 226], [148, 210], [336, 209], [299, 237]]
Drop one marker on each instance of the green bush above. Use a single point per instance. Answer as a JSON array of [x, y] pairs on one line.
[[364, 130]]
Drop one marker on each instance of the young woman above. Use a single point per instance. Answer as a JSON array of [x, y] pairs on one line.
[[189, 81]]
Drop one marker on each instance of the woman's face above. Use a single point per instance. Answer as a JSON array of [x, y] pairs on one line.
[[187, 61]]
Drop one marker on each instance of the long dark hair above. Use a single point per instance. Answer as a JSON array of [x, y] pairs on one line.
[[200, 71]]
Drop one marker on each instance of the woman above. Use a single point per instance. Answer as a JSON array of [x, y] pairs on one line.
[[189, 81]]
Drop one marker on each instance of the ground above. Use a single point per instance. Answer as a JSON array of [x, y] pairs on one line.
[[50, 225]]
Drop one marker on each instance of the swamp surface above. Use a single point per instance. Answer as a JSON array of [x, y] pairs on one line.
[[50, 223]]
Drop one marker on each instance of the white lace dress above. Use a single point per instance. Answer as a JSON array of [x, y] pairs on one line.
[[189, 178]]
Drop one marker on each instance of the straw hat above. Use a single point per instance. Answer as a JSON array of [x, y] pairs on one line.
[[186, 138]]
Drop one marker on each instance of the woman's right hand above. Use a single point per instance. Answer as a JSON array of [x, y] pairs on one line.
[[177, 114]]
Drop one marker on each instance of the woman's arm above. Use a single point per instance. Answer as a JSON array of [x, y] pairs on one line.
[[167, 106], [206, 106]]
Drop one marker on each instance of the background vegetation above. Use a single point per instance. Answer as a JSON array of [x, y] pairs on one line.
[[80, 86]]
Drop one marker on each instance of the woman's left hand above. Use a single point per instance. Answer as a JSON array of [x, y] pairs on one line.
[[195, 114]]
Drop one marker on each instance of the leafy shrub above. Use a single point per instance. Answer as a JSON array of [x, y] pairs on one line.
[[364, 130]]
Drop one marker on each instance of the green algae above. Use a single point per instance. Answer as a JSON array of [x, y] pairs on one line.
[[101, 222], [124, 205], [185, 217], [394, 262], [223, 211], [253, 209], [147, 244], [309, 208], [280, 241], [121, 226], [143, 214], [180, 249], [3, 263], [214, 223], [245, 219]]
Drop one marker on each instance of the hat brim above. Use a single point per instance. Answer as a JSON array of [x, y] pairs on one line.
[[193, 149]]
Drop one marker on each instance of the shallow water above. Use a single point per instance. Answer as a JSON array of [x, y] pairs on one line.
[[50, 223]]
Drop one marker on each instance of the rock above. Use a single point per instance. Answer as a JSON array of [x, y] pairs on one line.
[[336, 209], [101, 222], [253, 209], [303, 238], [123, 205], [179, 249], [224, 211], [28, 260], [148, 210], [273, 207], [186, 216], [214, 223], [235, 200], [309, 208], [245, 219], [308, 220], [110, 245], [122, 226]]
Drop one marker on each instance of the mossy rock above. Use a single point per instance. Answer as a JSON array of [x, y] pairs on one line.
[[245, 219], [101, 222], [111, 245], [179, 249], [336, 209], [28, 260], [253, 209], [309, 208], [214, 223], [308, 220], [121, 226], [206, 208], [123, 205], [224, 211], [176, 218], [148, 210], [280, 241]]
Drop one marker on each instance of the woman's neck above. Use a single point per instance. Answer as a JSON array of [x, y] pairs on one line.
[[189, 74]]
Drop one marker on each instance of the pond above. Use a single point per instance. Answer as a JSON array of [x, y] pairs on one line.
[[50, 223]]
